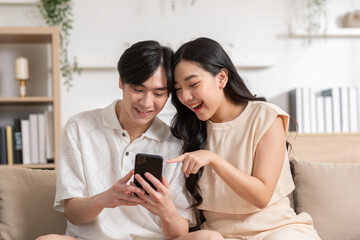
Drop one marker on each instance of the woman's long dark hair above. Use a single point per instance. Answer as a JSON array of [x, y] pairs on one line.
[[210, 56]]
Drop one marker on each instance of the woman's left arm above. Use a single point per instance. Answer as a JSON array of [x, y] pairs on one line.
[[256, 188], [268, 161]]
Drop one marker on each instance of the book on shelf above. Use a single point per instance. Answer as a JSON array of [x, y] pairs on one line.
[[354, 109], [335, 109], [41, 138], [49, 135], [303, 109], [28, 141], [306, 109], [313, 111], [328, 110], [3, 147], [17, 141], [344, 109], [25, 134], [296, 113], [9, 145], [333, 95], [320, 114], [34, 138]]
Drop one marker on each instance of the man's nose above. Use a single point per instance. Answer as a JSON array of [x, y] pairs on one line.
[[147, 100]]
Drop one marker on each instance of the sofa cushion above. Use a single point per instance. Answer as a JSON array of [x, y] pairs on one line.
[[26, 204], [330, 193]]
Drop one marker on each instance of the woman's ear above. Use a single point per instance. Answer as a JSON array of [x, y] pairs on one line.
[[120, 83], [223, 77]]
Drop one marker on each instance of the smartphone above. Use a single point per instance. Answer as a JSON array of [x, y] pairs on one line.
[[148, 163]]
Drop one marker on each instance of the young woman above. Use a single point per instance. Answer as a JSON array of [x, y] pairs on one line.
[[234, 146]]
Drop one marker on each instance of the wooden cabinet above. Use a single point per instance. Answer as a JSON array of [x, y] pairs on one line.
[[41, 45]]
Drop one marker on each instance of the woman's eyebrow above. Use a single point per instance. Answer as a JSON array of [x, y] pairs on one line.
[[190, 76]]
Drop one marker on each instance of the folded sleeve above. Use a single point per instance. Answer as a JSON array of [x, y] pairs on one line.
[[70, 172]]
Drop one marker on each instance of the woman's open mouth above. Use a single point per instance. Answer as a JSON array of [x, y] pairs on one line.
[[197, 107]]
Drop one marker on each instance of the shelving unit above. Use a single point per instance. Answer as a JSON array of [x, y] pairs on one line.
[[13, 106]]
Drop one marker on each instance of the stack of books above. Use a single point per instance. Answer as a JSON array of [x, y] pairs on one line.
[[329, 110], [28, 141]]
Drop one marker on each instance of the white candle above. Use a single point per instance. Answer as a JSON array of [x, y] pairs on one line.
[[21, 69]]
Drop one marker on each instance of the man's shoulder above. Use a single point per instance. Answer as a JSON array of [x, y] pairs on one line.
[[166, 131], [85, 118]]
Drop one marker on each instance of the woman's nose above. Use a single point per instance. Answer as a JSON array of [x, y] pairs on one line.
[[186, 95]]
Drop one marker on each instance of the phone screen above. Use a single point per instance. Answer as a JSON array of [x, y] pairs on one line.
[[148, 163]]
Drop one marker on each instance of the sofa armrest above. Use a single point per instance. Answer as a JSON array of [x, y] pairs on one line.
[[26, 204]]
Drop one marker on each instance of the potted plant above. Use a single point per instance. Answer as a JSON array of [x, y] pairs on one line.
[[59, 13]]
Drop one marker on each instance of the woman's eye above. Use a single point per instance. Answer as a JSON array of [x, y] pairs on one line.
[[194, 84], [177, 89]]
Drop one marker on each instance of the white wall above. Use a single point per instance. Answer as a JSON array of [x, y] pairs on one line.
[[257, 30]]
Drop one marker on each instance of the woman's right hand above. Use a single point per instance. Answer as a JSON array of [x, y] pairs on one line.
[[193, 161]]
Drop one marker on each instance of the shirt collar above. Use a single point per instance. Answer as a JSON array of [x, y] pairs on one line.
[[156, 130], [109, 117]]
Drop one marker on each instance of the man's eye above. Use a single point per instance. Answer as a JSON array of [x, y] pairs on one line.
[[159, 94], [137, 90]]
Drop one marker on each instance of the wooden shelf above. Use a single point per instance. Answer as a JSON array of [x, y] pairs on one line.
[[330, 33], [18, 2], [33, 166], [27, 34], [27, 100], [240, 62]]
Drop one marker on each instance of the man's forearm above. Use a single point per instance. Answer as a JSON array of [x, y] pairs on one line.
[[82, 210], [174, 225]]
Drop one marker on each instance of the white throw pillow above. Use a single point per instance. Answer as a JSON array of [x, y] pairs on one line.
[[330, 193]]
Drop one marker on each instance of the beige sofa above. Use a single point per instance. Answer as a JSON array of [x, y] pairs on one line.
[[26, 204], [330, 192]]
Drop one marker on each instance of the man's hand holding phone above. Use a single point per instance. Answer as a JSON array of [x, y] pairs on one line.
[[121, 194], [159, 201], [148, 176]]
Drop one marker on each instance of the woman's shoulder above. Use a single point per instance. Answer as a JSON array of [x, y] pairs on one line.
[[264, 113], [261, 107]]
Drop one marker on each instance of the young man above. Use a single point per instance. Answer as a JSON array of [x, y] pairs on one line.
[[97, 156]]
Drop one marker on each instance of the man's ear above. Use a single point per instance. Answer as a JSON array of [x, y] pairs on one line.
[[223, 77], [121, 83]]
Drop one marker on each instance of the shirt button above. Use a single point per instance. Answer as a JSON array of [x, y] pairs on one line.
[[123, 134], [127, 153]]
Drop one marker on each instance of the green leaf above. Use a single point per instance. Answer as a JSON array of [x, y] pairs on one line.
[[59, 13]]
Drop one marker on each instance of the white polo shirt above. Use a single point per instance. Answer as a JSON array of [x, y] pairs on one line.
[[95, 152]]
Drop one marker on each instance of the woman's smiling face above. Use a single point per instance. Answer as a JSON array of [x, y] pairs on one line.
[[198, 89]]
